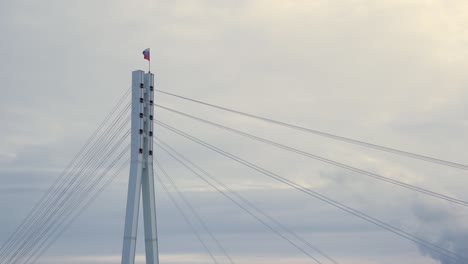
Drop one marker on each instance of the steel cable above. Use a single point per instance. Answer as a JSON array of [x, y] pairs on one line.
[[329, 135], [74, 208], [60, 191], [192, 209], [68, 197], [183, 160], [322, 159], [7, 244], [323, 198], [187, 220]]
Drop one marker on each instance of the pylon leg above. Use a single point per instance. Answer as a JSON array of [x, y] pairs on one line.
[[141, 179]]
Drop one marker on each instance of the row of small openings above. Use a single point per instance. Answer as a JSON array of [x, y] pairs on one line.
[[141, 115], [151, 116], [151, 87], [150, 133], [141, 151], [141, 101]]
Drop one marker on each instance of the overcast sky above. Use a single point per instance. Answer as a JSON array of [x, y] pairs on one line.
[[391, 72]]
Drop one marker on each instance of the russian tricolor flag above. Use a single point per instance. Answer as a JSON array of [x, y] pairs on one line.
[[146, 54]]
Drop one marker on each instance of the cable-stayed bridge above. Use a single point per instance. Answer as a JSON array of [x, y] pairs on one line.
[[128, 137]]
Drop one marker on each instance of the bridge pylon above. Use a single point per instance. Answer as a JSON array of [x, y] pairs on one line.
[[141, 179]]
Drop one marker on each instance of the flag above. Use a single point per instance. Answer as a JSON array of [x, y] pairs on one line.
[[146, 54]]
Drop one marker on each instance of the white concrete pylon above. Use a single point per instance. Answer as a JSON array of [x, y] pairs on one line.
[[141, 179]]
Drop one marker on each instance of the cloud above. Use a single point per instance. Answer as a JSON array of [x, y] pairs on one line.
[[390, 72], [446, 227], [183, 258]]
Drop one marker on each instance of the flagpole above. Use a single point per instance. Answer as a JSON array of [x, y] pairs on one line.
[[147, 56]]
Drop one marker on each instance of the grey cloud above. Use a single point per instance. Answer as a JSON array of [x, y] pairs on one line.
[[446, 227], [389, 71]]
